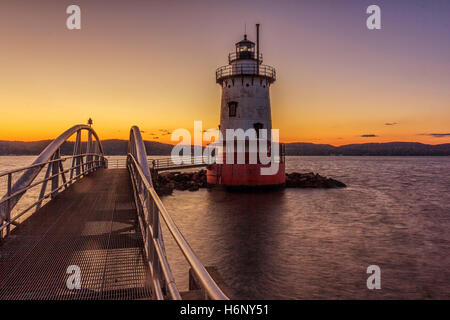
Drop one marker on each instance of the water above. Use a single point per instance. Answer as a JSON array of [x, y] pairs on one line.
[[316, 244]]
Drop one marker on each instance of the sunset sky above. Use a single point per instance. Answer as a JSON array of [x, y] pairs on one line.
[[152, 64]]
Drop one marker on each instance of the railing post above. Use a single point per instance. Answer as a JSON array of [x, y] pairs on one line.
[[8, 204], [98, 158], [63, 175], [88, 151], [155, 222], [82, 165], [76, 153], [44, 187], [155, 263], [55, 173], [155, 231]]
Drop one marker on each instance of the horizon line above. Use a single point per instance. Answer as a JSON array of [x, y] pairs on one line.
[[314, 143]]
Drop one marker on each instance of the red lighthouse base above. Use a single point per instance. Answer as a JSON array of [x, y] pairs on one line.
[[244, 176]]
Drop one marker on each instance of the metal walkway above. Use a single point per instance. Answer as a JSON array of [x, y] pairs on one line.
[[93, 224], [98, 235]]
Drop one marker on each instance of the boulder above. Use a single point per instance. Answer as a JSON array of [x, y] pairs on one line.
[[311, 180], [166, 182]]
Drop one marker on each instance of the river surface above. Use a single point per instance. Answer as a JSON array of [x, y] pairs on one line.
[[317, 244]]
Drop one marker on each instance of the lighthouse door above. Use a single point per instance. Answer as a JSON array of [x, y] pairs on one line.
[[257, 126]]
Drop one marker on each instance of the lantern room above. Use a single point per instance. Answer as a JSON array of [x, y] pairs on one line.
[[245, 49]]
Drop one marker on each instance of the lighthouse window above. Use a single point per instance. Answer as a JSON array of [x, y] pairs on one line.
[[232, 106]]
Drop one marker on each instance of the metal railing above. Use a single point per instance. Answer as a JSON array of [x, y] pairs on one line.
[[160, 164], [150, 210], [169, 163], [81, 165], [117, 162], [233, 56], [247, 70]]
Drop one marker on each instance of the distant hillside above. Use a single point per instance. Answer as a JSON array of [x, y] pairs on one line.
[[309, 149], [119, 147], [110, 147], [395, 149], [369, 149], [22, 148]]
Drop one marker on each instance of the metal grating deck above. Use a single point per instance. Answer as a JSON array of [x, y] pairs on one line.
[[93, 224]]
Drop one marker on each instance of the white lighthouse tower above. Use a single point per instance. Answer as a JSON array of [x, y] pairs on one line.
[[245, 104]]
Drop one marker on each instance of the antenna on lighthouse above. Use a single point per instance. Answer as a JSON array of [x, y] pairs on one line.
[[257, 46]]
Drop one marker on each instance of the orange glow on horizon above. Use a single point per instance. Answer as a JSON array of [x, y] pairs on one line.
[[149, 66]]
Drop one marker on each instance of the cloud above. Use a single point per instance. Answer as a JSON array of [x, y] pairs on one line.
[[368, 136], [436, 135], [165, 132], [390, 123]]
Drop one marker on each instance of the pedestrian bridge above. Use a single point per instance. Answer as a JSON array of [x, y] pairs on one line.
[[70, 228]]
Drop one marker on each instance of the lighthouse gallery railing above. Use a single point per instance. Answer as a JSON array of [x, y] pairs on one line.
[[233, 56], [150, 210], [246, 70]]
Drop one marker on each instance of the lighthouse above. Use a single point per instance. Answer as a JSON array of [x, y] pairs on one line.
[[245, 104]]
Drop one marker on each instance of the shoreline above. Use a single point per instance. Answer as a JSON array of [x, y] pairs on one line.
[[165, 183]]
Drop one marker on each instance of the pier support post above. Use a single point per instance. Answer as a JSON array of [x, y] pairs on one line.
[[55, 173]]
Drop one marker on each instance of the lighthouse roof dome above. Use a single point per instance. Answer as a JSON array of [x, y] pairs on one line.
[[245, 41]]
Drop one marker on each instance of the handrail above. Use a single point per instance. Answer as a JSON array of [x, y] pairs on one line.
[[168, 162], [34, 184], [42, 197], [5, 173], [233, 56], [150, 208], [82, 165], [136, 147]]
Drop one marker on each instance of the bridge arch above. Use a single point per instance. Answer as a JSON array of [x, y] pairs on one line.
[[151, 212], [148, 207], [81, 165], [136, 148]]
